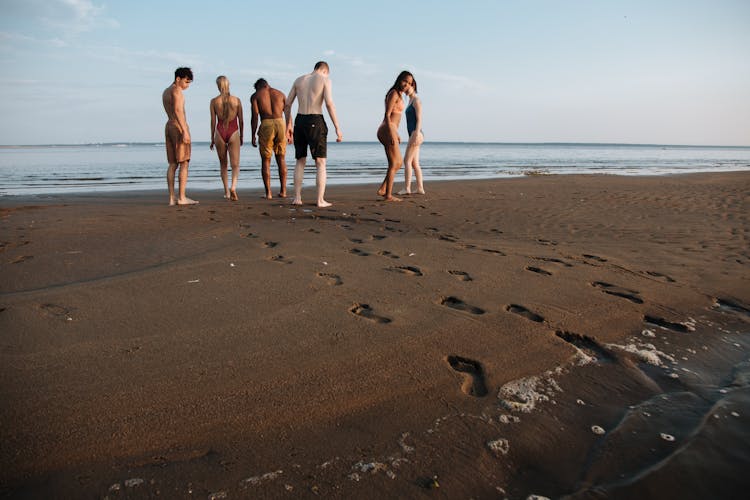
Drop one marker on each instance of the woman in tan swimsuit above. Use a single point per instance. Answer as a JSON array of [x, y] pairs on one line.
[[227, 128], [388, 132]]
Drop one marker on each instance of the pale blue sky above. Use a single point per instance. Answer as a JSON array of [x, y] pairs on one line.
[[670, 72]]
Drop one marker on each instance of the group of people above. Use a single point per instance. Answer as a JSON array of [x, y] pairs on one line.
[[276, 130]]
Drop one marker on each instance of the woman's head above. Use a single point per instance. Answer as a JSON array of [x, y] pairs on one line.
[[223, 83], [403, 81]]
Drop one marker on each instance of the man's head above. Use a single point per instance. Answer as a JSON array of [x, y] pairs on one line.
[[261, 83], [322, 66], [183, 77]]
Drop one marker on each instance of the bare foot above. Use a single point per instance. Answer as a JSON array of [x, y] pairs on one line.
[[323, 204], [233, 195], [404, 191], [381, 192], [267, 196], [419, 191], [172, 202], [282, 194], [187, 201], [297, 201], [392, 198], [226, 195]]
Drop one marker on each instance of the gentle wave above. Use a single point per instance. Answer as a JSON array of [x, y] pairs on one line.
[[127, 166]]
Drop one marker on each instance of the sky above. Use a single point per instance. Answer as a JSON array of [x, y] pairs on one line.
[[638, 72]]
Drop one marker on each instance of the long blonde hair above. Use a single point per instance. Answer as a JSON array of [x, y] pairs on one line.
[[223, 83]]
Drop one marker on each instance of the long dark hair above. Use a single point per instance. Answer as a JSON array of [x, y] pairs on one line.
[[401, 76]]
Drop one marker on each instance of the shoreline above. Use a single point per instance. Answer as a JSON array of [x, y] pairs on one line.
[[255, 348]]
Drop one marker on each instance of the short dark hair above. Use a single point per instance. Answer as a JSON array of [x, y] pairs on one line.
[[322, 64], [183, 73], [260, 83]]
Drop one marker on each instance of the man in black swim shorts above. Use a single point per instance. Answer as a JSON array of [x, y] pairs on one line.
[[310, 129]]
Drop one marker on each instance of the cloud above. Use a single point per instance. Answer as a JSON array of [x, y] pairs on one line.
[[357, 63], [64, 17], [455, 82]]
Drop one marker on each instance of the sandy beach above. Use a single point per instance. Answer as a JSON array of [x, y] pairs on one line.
[[581, 336]]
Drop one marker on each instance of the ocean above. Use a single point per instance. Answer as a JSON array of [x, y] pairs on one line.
[[60, 169]]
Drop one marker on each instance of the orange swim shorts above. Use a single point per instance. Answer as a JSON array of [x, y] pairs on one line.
[[272, 137]]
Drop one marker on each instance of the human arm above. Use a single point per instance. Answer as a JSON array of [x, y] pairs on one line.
[[213, 123], [178, 100], [414, 137], [331, 107], [254, 119], [241, 119], [392, 100], [288, 112]]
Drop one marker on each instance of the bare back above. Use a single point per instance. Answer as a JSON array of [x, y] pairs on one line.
[[171, 97], [217, 108], [270, 103], [311, 91]]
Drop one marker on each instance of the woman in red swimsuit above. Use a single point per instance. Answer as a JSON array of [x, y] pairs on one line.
[[227, 128]]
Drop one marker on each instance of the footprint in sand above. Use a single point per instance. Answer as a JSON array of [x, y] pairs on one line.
[[251, 235], [727, 305], [270, 244], [661, 276], [474, 381], [313, 230], [554, 261], [587, 345], [56, 310], [409, 270], [357, 251], [365, 311], [448, 237], [522, 311], [538, 270], [669, 325], [496, 252], [332, 279], [22, 258], [378, 237], [617, 291], [280, 259], [460, 305], [358, 241], [460, 275], [594, 257], [386, 253], [542, 241]]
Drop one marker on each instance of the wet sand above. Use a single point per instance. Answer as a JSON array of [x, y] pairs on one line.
[[586, 336]]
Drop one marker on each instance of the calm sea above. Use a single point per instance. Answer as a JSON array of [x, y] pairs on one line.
[[111, 167]]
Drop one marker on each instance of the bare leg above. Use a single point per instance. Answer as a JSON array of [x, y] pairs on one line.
[[170, 183], [299, 176], [234, 158], [221, 152], [418, 171], [281, 162], [393, 153], [184, 200], [320, 181], [266, 174], [407, 171]]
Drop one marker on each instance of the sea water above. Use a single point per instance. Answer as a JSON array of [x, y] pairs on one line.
[[26, 170]]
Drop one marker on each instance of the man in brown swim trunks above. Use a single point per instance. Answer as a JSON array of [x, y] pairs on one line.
[[270, 104], [177, 135]]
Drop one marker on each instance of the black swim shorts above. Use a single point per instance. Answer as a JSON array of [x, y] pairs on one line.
[[312, 131]]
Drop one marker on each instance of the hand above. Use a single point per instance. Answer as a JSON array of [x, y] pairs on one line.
[[339, 136], [212, 146], [186, 137], [254, 142]]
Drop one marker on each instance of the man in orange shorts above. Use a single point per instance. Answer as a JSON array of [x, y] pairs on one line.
[[177, 135], [270, 103]]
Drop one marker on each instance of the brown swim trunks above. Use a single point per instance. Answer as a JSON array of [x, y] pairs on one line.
[[272, 137], [177, 151]]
